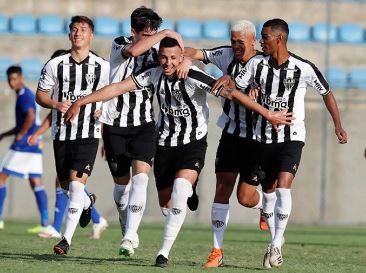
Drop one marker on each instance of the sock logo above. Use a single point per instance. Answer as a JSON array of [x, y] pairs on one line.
[[176, 211], [268, 215], [218, 223], [73, 210], [282, 217], [135, 208]]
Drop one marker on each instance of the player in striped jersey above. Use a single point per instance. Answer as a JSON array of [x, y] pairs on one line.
[[182, 130], [282, 78], [128, 121], [236, 139], [69, 76]]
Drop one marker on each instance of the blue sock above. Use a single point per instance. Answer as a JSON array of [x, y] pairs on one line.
[[2, 199], [95, 216], [60, 207], [41, 198]]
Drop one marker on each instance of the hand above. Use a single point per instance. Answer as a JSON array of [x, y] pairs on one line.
[[254, 92], [63, 106], [183, 68], [32, 140], [72, 112], [97, 113], [280, 117], [342, 135], [224, 81]]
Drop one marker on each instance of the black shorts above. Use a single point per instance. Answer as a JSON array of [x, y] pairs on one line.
[[169, 160], [122, 145], [278, 157], [78, 155], [237, 155]]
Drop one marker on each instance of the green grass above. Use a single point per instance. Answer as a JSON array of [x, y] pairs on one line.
[[307, 249]]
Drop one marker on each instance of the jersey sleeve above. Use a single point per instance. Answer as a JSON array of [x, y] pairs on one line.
[[47, 80], [147, 76], [27, 102], [118, 45], [246, 75], [199, 80], [315, 78], [218, 56]]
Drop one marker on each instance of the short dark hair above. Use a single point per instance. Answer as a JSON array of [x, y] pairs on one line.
[[81, 19], [277, 24], [14, 69], [143, 17], [168, 42]]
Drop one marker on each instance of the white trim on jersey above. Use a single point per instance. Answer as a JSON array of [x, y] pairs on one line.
[[282, 87]]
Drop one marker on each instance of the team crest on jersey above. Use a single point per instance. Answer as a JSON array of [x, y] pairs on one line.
[[90, 78], [177, 94], [289, 83]]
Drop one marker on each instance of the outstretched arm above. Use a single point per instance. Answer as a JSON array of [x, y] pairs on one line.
[[8, 133], [106, 93], [193, 53], [135, 50], [332, 107]]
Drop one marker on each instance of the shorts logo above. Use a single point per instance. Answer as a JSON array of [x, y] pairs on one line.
[[218, 223], [294, 167], [135, 208], [90, 78], [114, 166], [176, 211], [294, 134], [73, 210], [268, 215], [197, 165], [282, 217], [115, 114], [87, 167]]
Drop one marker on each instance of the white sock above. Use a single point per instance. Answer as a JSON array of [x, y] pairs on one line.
[[282, 213], [219, 220], [120, 196], [76, 190], [87, 201], [260, 202], [165, 211], [182, 190], [269, 202], [136, 205]]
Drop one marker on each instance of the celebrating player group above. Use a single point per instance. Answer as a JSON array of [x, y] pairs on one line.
[[262, 122]]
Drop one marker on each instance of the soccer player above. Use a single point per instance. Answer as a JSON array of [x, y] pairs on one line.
[[282, 78], [235, 153], [54, 231], [23, 160], [182, 130], [69, 76], [128, 122]]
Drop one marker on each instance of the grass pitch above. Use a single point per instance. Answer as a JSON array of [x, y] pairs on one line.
[[307, 249]]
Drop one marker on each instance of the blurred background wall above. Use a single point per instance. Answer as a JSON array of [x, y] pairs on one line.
[[329, 187]]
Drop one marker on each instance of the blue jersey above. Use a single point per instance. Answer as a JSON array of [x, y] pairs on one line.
[[26, 101]]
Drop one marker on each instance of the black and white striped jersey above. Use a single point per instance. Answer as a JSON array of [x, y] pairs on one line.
[[133, 108], [282, 87], [183, 115], [235, 118], [69, 80]]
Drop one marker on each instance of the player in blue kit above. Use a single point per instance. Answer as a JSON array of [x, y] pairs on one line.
[[23, 160]]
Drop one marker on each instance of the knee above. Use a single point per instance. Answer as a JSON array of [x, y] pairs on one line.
[[245, 200]]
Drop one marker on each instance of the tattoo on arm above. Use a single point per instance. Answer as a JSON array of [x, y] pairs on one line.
[[226, 92]]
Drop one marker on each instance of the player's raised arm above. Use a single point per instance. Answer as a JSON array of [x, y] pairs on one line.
[[106, 93], [194, 53]]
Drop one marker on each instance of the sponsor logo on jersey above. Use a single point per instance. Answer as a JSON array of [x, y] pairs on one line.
[[146, 75], [318, 85], [176, 111], [90, 78], [278, 102], [69, 95], [217, 53], [135, 208], [289, 83], [116, 47]]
